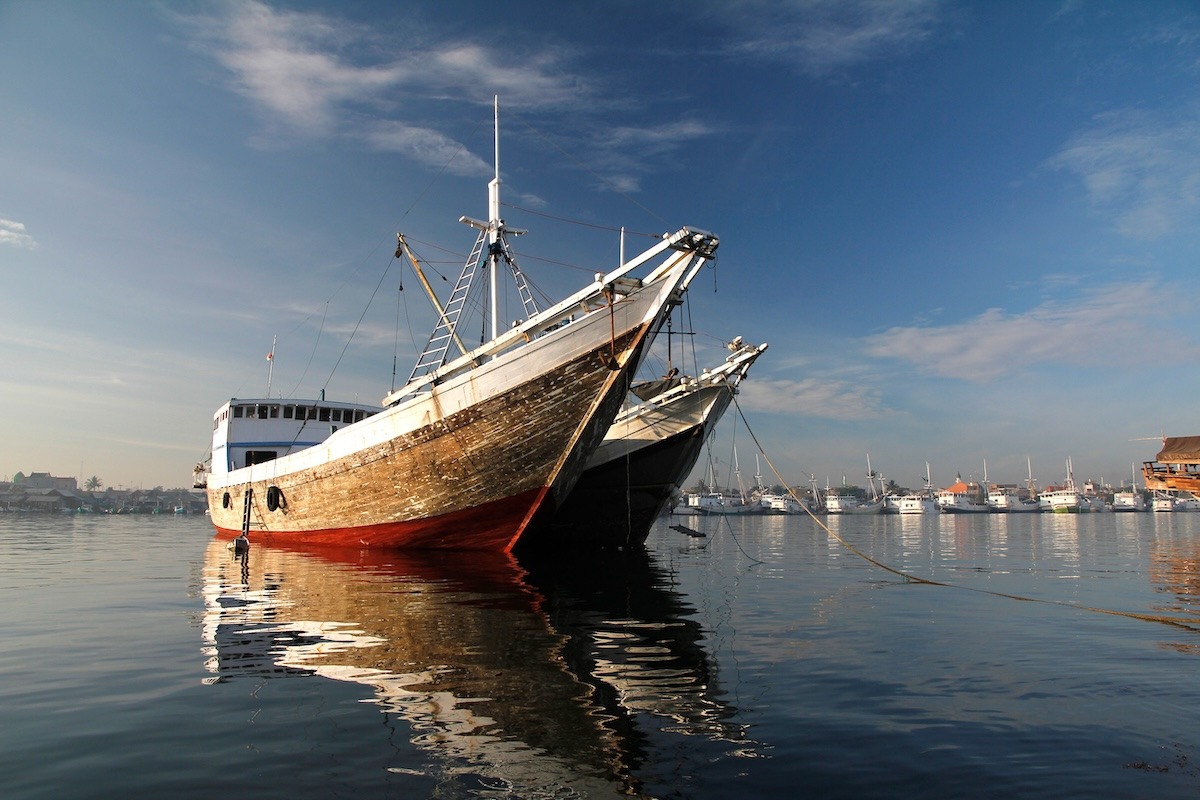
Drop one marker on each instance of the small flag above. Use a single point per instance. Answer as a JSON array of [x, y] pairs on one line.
[[271, 356]]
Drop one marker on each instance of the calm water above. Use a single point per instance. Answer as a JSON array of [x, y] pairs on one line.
[[140, 658]]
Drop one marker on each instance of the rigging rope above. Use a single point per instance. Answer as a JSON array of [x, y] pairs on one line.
[[1190, 624], [581, 223]]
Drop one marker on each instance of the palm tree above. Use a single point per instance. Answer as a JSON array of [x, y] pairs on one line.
[[93, 484]]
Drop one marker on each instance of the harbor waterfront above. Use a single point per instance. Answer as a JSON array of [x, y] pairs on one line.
[[143, 657]]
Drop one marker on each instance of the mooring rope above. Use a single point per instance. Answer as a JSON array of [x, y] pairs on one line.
[[1189, 624]]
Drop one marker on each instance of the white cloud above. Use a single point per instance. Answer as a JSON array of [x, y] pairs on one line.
[[623, 152], [425, 146], [1142, 169], [1108, 325], [815, 397], [534, 80], [13, 233], [312, 74], [294, 65], [657, 138], [286, 61], [821, 36]]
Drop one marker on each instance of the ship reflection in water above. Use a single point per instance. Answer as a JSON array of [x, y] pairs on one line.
[[534, 676]]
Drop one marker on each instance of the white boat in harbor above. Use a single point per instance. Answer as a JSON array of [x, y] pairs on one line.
[[836, 503], [1167, 500], [780, 504], [1129, 499], [1066, 499], [1006, 500], [917, 504], [727, 503], [923, 502], [1061, 501], [957, 499], [1162, 502], [958, 503], [845, 502], [478, 444]]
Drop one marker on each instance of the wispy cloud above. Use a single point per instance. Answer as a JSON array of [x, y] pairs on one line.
[[424, 146], [1107, 325], [814, 397], [822, 36], [312, 73], [623, 152], [13, 233], [1141, 168], [288, 62]]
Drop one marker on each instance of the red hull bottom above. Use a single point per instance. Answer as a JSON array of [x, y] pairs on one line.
[[494, 526]]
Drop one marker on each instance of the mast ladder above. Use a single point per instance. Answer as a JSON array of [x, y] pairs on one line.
[[246, 510], [434, 355]]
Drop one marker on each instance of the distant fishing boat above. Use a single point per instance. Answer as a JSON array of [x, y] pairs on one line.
[[718, 503], [922, 502], [956, 499], [840, 502], [1131, 500], [650, 449], [1066, 499], [1005, 500], [478, 444]]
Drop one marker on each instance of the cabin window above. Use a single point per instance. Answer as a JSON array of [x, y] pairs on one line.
[[237, 411], [288, 411], [274, 412], [337, 415], [259, 456], [324, 415]]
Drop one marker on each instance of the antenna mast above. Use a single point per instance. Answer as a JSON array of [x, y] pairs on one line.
[[270, 365], [494, 225]]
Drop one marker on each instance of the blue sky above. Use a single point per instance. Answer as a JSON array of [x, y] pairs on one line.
[[967, 230]]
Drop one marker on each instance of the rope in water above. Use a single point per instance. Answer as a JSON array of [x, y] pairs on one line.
[[1187, 623]]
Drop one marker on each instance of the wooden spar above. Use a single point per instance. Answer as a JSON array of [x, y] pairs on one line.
[[433, 298]]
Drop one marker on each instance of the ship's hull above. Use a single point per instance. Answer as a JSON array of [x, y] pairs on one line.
[[635, 471], [1061, 502], [475, 479], [424, 475]]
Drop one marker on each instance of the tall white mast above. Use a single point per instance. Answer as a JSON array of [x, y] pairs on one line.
[[496, 230], [494, 224], [270, 365]]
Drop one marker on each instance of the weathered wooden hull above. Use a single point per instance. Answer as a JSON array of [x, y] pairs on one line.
[[474, 479], [634, 472], [1160, 477], [470, 453]]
